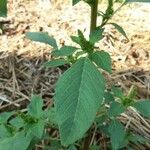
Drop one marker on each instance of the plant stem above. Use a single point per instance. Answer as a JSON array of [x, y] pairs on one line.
[[94, 9]]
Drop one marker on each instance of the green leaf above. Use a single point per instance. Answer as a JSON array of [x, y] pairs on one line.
[[103, 128], [117, 92], [76, 39], [75, 2], [42, 37], [96, 35], [37, 129], [64, 51], [55, 63], [102, 60], [79, 93], [117, 133], [5, 116], [55, 145], [17, 122], [17, 142], [72, 147], [115, 109], [143, 106], [35, 107], [108, 97], [3, 8], [84, 44], [4, 132], [50, 114], [120, 29]]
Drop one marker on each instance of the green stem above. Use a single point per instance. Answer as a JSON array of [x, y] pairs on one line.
[[94, 9]]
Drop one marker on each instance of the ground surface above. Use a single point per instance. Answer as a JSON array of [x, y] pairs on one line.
[[21, 71]]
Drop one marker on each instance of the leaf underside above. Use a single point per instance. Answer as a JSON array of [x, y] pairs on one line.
[[42, 37], [79, 93]]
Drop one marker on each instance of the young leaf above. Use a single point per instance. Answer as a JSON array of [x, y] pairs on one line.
[[72, 147], [102, 60], [50, 114], [76, 39], [108, 97], [3, 8], [143, 106], [55, 63], [35, 107], [96, 35], [4, 132], [84, 44], [37, 129], [120, 29], [5, 116], [115, 109], [117, 133], [17, 122], [117, 92], [42, 37], [17, 142], [55, 145], [64, 51], [79, 93], [75, 2]]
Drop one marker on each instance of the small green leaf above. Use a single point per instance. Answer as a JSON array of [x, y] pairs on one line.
[[64, 51], [96, 35], [84, 44], [55, 63], [35, 107], [104, 128], [17, 122], [120, 29], [17, 142], [4, 132], [115, 109], [55, 145], [72, 147], [102, 60], [3, 8], [108, 97], [50, 114], [117, 133], [78, 96], [76, 39], [117, 92], [143, 106], [42, 37], [5, 116], [37, 129], [75, 2]]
